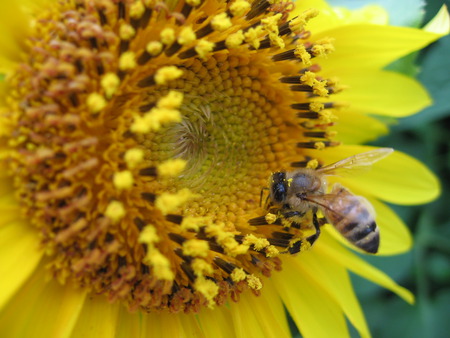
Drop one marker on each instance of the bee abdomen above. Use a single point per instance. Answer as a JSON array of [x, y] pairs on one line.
[[365, 237]]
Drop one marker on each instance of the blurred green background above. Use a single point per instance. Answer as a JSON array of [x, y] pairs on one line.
[[426, 269], [426, 136]]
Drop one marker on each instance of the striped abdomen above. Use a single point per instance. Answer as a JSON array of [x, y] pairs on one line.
[[353, 217]]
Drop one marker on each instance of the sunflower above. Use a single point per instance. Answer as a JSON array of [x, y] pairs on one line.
[[137, 136]]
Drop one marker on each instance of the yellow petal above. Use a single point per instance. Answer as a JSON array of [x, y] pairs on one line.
[[259, 316], [326, 20], [373, 14], [97, 318], [42, 309], [342, 256], [14, 25], [311, 306], [6, 187], [9, 209], [365, 46], [335, 280], [382, 92], [19, 256], [139, 324], [440, 24], [354, 127], [398, 178], [190, 326], [129, 324], [211, 319], [395, 237]]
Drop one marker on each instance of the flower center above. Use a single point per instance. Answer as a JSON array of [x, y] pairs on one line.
[[142, 133]]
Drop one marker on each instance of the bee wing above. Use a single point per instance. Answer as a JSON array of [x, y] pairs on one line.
[[328, 204], [358, 162]]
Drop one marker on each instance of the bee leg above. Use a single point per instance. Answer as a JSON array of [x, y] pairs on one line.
[[310, 239], [322, 221]]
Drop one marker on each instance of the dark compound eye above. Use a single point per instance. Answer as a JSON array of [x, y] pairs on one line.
[[279, 189]]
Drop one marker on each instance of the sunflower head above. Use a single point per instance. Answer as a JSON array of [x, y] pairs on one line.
[[139, 136]]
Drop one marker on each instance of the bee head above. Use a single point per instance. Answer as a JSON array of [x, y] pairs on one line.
[[278, 187]]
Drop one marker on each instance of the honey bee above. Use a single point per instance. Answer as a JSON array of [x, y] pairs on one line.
[[295, 193]]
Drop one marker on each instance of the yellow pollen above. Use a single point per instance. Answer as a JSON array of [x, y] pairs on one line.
[[171, 101], [168, 73], [203, 48], [133, 157], [235, 40], [238, 274], [201, 267], [126, 31], [323, 47], [221, 22], [110, 82], [194, 223], [233, 248], [172, 167], [137, 10], [276, 40], [154, 48], [252, 36], [254, 282], [271, 23], [319, 145], [167, 36], [159, 116], [115, 211], [168, 202], [327, 117], [302, 54], [95, 102], [207, 288], [331, 134], [140, 125], [127, 61], [160, 264], [270, 218], [226, 240], [312, 164], [239, 7], [320, 88], [187, 36], [196, 248], [149, 235], [258, 243], [272, 251], [123, 180], [316, 106], [297, 24], [289, 181]]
